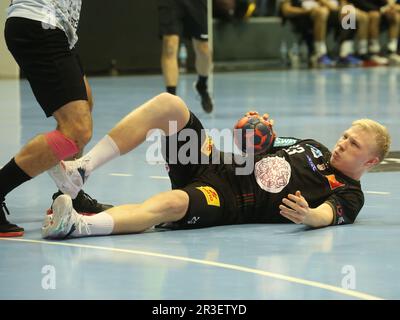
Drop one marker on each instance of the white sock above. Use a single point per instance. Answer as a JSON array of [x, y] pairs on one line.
[[392, 45], [104, 151], [363, 46], [346, 48], [320, 48], [374, 46], [100, 224]]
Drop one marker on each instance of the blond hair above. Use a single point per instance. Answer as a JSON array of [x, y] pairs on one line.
[[381, 133]]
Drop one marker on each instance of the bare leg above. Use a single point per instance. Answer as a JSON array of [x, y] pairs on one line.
[[320, 16], [154, 114], [74, 121], [203, 57], [394, 21], [362, 25], [164, 207], [374, 22], [169, 60], [91, 103]]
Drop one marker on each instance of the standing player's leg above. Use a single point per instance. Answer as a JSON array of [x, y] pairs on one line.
[[169, 62], [203, 68], [57, 83], [196, 25], [84, 203], [169, 18]]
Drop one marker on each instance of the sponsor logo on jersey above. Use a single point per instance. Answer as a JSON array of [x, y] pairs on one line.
[[211, 195], [272, 173], [284, 142], [206, 148], [333, 183], [321, 167], [315, 151], [311, 163]]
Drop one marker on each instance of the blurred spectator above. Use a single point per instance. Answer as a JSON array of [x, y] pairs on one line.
[[310, 19], [345, 37], [382, 14]]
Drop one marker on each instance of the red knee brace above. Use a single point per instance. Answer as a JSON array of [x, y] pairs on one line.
[[62, 146]]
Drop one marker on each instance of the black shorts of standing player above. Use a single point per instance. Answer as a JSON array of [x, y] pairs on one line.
[[53, 70], [185, 18], [194, 170]]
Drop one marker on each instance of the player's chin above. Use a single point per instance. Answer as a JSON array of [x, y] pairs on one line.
[[335, 162]]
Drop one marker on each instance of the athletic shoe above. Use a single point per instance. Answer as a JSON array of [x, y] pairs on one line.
[[350, 61], [70, 176], [206, 101], [85, 204], [381, 61], [367, 61], [322, 61], [8, 229], [64, 220]]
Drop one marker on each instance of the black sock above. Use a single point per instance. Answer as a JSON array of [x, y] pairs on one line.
[[11, 176], [202, 82], [171, 90]]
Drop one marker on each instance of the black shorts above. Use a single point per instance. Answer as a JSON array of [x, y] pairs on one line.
[[185, 18], [208, 198], [53, 70]]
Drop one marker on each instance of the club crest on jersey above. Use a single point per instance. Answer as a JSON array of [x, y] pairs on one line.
[[272, 174], [333, 183], [315, 151]]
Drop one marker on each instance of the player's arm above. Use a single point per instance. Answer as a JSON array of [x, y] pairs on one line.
[[296, 209]]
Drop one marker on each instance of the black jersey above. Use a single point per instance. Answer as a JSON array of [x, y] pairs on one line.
[[294, 165]]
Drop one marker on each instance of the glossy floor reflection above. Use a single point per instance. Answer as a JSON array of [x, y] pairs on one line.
[[357, 261]]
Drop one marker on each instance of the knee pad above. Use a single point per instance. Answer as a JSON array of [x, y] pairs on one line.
[[61, 146]]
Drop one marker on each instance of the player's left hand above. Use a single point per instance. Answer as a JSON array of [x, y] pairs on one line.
[[295, 208]]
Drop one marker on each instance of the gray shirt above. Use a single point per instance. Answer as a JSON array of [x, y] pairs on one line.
[[62, 14]]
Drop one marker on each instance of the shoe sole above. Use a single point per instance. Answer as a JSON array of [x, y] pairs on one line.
[[57, 173], [62, 206], [11, 234], [50, 212]]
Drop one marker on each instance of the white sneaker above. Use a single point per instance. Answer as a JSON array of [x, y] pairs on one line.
[[380, 60], [70, 176], [64, 220]]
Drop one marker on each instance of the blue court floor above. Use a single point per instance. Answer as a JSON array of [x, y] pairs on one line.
[[359, 261]]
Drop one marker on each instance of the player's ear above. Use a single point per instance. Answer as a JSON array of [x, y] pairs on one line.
[[372, 162]]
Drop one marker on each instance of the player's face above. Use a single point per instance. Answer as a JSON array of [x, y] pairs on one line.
[[354, 152]]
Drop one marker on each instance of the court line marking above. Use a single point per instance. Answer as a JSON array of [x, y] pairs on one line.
[[351, 293], [121, 174], [159, 177], [378, 192]]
